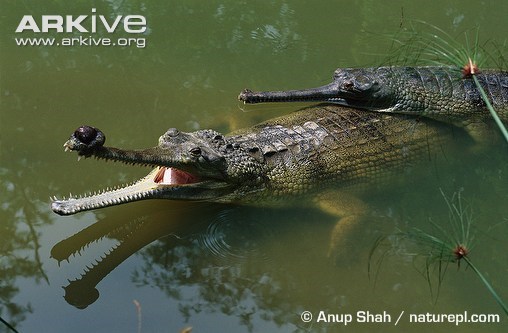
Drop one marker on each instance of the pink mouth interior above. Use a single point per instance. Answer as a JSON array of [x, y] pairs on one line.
[[172, 176]]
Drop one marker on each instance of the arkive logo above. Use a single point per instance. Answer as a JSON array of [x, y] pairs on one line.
[[132, 24], [83, 30]]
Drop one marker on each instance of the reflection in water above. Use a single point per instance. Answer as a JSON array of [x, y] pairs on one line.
[[19, 238], [239, 265], [131, 235], [232, 260], [189, 241], [280, 35]]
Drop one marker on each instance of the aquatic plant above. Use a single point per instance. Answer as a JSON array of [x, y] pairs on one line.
[[416, 45], [9, 326], [450, 242]]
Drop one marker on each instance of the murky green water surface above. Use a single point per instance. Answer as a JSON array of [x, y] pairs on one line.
[[213, 267]]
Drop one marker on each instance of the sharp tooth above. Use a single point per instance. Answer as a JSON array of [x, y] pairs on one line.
[[79, 158], [66, 148]]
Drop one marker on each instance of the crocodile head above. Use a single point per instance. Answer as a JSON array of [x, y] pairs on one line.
[[201, 165], [356, 87], [361, 87]]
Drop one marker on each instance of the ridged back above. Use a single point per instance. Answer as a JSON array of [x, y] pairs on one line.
[[338, 146]]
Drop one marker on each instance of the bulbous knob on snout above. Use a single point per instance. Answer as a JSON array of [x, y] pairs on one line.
[[85, 134], [85, 140]]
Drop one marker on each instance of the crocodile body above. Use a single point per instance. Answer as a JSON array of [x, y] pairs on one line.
[[303, 153], [441, 93]]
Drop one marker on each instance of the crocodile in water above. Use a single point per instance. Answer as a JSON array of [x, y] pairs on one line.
[[308, 152], [441, 93]]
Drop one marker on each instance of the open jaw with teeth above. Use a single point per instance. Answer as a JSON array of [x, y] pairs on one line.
[[158, 181], [164, 182]]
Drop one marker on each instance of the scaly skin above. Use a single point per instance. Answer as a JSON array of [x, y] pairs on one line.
[[308, 152], [441, 93]]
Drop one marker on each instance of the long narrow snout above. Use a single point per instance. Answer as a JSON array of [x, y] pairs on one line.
[[326, 93]]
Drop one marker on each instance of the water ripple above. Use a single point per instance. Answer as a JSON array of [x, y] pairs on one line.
[[233, 236]]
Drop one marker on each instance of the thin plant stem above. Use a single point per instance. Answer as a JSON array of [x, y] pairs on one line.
[[487, 285], [8, 325], [493, 112]]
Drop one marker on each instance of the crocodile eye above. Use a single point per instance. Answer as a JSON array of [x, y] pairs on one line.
[[364, 82], [196, 151], [85, 134]]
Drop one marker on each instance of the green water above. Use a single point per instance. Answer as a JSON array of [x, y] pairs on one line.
[[218, 268]]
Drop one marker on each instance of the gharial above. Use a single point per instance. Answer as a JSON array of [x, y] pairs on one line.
[[311, 150], [439, 92], [328, 153]]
